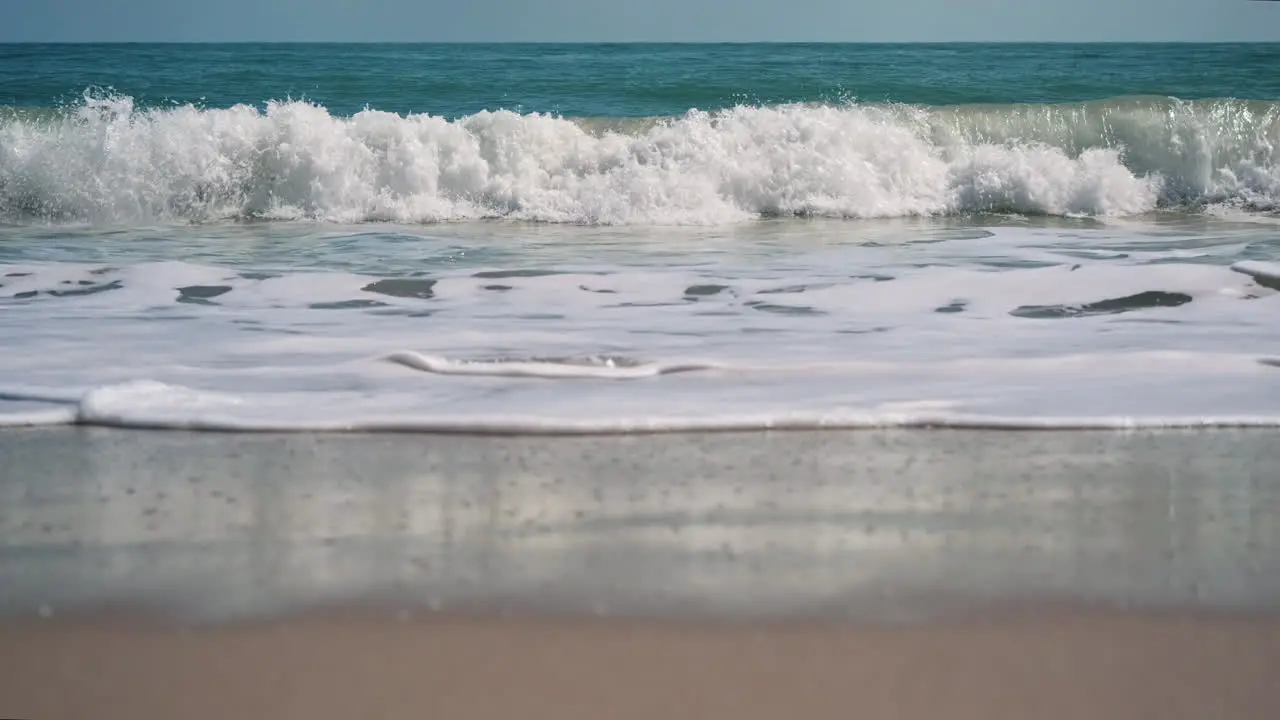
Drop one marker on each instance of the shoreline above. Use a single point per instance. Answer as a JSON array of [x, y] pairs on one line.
[[883, 524], [905, 575]]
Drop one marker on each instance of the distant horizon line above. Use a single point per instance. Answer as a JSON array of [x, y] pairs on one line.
[[640, 42]]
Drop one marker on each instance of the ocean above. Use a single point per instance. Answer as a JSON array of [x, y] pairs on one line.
[[637, 238]]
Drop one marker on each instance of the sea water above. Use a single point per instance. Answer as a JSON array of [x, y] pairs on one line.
[[607, 238]]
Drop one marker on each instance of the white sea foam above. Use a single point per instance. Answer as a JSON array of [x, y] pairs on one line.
[[1109, 327], [159, 406], [107, 161], [550, 369], [154, 405], [1265, 273]]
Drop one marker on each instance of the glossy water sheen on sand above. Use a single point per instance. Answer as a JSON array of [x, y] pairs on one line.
[[612, 238], [870, 525]]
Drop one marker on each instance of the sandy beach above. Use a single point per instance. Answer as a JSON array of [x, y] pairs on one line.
[[882, 575], [1054, 665]]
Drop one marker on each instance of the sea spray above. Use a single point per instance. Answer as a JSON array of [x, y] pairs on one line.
[[106, 161]]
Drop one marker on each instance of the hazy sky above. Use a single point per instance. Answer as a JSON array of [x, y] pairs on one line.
[[659, 20]]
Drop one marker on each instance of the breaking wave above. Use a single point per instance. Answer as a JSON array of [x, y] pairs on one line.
[[107, 161]]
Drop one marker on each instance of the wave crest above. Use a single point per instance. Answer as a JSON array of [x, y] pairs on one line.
[[108, 161]]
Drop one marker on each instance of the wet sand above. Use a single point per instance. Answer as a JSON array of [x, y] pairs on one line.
[[883, 575], [1045, 664]]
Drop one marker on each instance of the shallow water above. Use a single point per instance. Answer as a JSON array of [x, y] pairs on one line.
[[775, 323]]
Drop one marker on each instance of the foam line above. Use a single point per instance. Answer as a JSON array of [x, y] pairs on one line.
[[509, 425], [152, 405], [1266, 274], [590, 368], [39, 418]]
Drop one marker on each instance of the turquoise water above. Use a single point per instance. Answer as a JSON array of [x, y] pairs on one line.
[[630, 80], [601, 238]]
